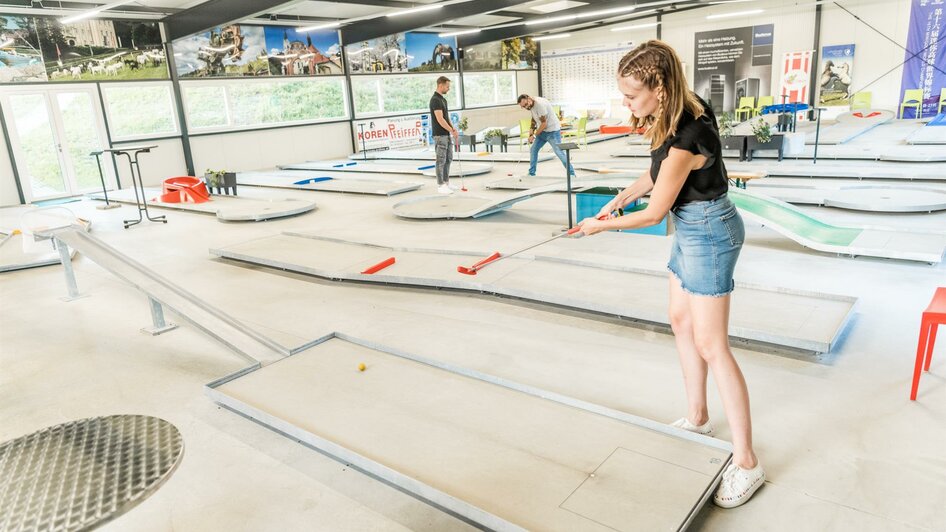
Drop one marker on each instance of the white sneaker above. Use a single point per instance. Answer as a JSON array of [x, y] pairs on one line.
[[453, 187], [738, 485], [445, 189], [705, 429]]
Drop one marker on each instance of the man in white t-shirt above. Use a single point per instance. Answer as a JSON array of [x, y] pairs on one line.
[[547, 130]]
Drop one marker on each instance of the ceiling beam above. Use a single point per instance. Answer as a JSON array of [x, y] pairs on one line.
[[381, 26], [213, 13], [518, 30], [52, 6]]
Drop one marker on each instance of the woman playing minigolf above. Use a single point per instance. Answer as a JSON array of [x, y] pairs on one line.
[[687, 179]]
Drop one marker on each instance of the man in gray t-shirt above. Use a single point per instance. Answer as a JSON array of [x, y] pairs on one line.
[[548, 129]]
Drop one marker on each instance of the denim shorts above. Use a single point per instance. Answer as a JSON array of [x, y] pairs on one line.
[[706, 243]]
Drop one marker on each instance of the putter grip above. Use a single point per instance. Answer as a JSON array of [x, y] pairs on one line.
[[577, 228]]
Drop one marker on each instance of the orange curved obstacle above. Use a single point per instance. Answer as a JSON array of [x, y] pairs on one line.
[[620, 130], [185, 189]]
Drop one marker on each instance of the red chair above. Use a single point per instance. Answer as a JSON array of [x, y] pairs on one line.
[[933, 316]]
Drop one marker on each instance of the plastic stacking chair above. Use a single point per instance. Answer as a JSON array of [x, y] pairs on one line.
[[764, 101], [582, 113], [933, 317], [525, 127], [580, 132], [942, 101], [557, 109], [860, 101], [912, 98], [746, 107]]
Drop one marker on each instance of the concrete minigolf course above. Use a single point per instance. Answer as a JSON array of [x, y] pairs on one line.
[[873, 198], [550, 462], [760, 315], [834, 169], [934, 132], [20, 248], [462, 205], [319, 182], [851, 125], [466, 157], [225, 208], [388, 167], [867, 241]]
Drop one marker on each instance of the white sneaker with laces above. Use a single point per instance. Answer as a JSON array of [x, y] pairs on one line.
[[738, 485], [445, 189], [706, 429]]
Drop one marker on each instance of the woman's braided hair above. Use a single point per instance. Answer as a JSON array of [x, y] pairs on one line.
[[656, 65]]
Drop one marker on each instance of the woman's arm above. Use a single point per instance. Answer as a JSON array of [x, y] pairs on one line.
[[673, 173], [641, 186]]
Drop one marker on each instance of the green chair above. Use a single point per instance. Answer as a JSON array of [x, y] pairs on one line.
[[557, 109], [764, 101], [860, 101], [525, 127], [580, 132], [942, 100], [746, 107], [912, 98]]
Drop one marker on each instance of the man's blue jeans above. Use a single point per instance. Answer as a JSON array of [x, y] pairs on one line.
[[553, 137]]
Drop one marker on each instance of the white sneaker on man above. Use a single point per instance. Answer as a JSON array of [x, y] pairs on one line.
[[445, 189], [706, 429], [738, 485], [453, 187]]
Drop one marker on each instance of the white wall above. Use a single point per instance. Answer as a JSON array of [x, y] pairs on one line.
[[873, 54], [252, 150], [8, 193], [794, 31]]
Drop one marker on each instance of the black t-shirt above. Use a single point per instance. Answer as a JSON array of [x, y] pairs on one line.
[[699, 136], [438, 102]]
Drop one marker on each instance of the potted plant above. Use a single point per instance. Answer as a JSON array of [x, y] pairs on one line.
[[763, 139], [462, 126], [221, 180], [495, 137], [730, 141]]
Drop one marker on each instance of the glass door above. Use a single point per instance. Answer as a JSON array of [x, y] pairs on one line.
[[52, 131]]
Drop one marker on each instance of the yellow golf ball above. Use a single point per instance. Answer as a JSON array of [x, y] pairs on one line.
[[361, 367]]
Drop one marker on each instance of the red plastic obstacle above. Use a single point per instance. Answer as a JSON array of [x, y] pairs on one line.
[[861, 115], [184, 189], [620, 130], [933, 316]]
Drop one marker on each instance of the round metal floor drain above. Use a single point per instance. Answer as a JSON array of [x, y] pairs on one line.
[[80, 474]]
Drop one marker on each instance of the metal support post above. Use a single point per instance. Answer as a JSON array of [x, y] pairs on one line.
[[70, 274], [157, 318]]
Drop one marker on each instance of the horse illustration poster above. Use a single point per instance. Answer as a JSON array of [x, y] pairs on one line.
[[20, 56], [837, 67], [233, 50], [100, 49], [428, 52], [384, 54], [291, 53]]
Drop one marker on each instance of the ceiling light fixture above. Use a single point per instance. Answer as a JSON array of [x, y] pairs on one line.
[[612, 11], [636, 27], [551, 37], [413, 10], [326, 26], [462, 32], [92, 12], [736, 14], [551, 20]]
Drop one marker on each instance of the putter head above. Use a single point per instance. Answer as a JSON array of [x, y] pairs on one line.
[[466, 271]]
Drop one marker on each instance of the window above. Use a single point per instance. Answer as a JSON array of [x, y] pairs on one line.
[[389, 94], [245, 104], [489, 88], [139, 110]]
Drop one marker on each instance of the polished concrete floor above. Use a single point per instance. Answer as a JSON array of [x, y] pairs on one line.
[[843, 447]]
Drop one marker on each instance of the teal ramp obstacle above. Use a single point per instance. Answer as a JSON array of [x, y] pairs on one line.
[[868, 241]]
